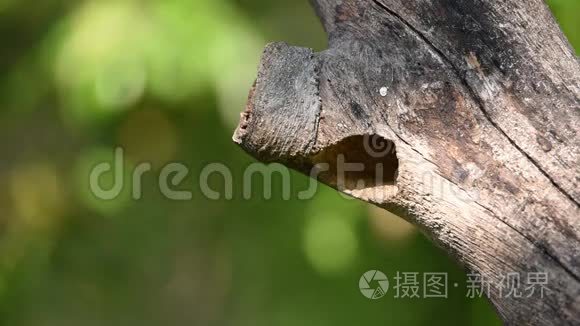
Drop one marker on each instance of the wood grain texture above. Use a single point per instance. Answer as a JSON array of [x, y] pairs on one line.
[[480, 107]]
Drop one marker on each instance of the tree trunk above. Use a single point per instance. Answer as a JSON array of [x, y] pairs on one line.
[[463, 117]]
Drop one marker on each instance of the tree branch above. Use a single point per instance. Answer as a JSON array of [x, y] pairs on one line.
[[478, 104]]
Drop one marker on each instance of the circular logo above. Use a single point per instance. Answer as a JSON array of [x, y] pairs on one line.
[[373, 284]]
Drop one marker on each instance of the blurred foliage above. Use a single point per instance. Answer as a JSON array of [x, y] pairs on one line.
[[166, 80]]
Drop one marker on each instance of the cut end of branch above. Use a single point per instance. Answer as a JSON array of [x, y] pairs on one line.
[[281, 116], [242, 128]]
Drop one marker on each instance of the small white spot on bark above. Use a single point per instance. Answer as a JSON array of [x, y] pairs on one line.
[[383, 91]]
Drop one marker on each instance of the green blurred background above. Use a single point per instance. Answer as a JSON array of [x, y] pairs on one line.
[[166, 80]]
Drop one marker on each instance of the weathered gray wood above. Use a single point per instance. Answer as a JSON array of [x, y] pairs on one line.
[[481, 101]]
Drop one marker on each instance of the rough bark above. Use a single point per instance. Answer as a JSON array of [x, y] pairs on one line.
[[478, 104]]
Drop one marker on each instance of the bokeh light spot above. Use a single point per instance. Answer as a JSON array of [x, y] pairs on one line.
[[149, 136], [38, 194], [330, 244], [389, 227]]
